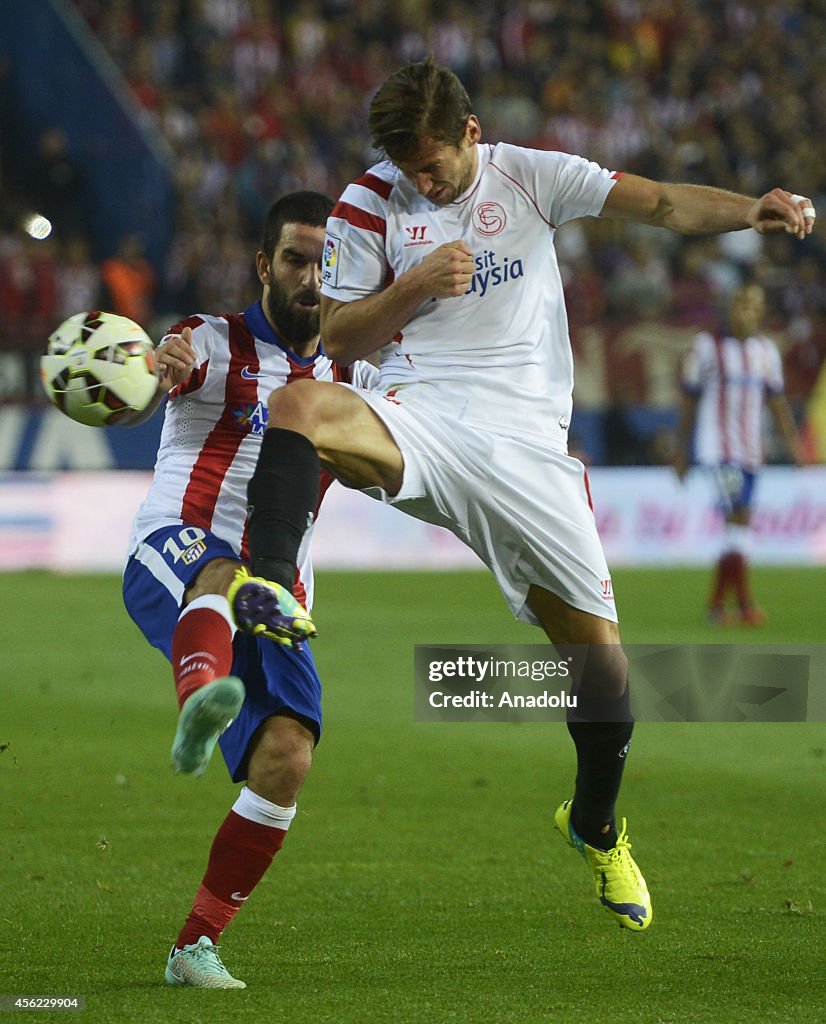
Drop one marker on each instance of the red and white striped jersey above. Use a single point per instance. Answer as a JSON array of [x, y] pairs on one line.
[[731, 378], [214, 424], [499, 354]]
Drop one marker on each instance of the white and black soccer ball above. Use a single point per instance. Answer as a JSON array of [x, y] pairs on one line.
[[99, 368]]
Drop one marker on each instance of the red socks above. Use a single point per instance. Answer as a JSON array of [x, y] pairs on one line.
[[243, 849], [732, 574], [725, 578], [202, 644]]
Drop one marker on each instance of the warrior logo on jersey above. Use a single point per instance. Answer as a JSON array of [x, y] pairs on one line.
[[490, 272], [252, 419], [329, 260], [416, 234], [489, 218]]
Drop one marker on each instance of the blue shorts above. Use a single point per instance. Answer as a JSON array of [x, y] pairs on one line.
[[735, 487], [278, 680]]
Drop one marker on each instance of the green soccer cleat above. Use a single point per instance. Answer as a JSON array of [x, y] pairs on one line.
[[204, 716], [262, 608], [621, 889], [199, 966]]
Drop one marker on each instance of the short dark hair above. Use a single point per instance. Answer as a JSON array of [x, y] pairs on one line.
[[311, 208], [419, 101]]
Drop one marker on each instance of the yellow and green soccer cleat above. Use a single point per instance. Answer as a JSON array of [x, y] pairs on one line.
[[262, 608], [621, 889]]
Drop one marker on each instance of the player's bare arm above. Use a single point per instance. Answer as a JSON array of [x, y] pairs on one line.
[[353, 330], [685, 431], [702, 209], [783, 418]]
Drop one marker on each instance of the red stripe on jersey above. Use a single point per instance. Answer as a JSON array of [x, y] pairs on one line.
[[588, 490], [360, 218], [617, 175], [194, 381], [190, 321], [299, 371], [722, 395], [746, 391], [223, 441], [375, 184], [342, 374]]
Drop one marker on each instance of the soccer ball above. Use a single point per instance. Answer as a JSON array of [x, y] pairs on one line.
[[99, 368]]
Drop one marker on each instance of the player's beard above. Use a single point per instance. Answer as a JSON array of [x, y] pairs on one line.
[[465, 183], [295, 325]]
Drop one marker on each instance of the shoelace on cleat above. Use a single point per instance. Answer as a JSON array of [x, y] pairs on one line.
[[616, 855], [207, 957]]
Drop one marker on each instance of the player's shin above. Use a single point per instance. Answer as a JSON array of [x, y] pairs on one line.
[[283, 495], [202, 644], [601, 731], [241, 853]]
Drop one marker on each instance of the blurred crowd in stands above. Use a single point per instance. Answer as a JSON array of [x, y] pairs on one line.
[[256, 97]]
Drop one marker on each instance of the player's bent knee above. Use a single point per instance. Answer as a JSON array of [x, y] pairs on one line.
[[280, 760], [294, 408], [309, 407], [605, 673]]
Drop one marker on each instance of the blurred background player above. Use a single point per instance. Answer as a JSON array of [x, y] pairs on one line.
[[186, 585], [728, 379]]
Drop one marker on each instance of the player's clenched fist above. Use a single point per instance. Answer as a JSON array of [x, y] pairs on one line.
[[175, 357], [779, 210], [448, 270]]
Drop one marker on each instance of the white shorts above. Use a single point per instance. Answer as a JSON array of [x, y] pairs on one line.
[[524, 508]]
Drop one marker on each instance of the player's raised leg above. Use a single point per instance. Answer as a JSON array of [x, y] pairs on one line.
[[601, 729], [209, 697]]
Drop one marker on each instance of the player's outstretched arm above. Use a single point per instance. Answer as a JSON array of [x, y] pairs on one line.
[[702, 209], [353, 330], [782, 415], [685, 432]]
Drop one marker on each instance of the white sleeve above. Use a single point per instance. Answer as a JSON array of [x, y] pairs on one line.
[[364, 374], [694, 375], [354, 263], [774, 369], [564, 187]]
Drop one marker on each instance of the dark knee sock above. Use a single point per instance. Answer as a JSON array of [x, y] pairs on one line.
[[282, 495], [601, 748]]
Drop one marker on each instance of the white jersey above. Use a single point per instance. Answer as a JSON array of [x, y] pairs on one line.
[[731, 378], [214, 424], [500, 354]]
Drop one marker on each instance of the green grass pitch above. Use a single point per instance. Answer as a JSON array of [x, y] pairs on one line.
[[422, 880]]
